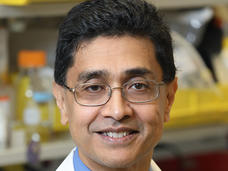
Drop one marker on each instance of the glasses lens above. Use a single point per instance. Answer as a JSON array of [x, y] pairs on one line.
[[140, 91], [92, 94]]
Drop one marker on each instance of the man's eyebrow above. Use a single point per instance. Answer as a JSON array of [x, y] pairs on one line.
[[139, 72], [87, 75]]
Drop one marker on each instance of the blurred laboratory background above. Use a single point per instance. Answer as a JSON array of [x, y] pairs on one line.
[[31, 135]]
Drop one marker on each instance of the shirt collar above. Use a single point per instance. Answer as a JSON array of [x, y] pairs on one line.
[[78, 164]]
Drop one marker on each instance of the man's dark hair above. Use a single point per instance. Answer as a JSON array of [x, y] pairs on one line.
[[94, 18]]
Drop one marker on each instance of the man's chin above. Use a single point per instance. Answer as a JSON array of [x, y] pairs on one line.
[[119, 163]]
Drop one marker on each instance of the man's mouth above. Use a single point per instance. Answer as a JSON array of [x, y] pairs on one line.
[[117, 133]]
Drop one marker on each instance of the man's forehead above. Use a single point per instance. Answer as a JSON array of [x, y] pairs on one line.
[[97, 44], [111, 57]]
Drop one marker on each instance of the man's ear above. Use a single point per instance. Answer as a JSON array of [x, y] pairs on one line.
[[171, 91], [59, 94]]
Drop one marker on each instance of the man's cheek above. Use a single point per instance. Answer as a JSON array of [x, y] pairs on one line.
[[151, 114]]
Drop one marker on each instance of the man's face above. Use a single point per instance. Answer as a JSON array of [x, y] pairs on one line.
[[137, 127]]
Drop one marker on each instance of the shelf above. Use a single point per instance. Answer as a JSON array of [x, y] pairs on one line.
[[189, 141], [35, 10], [49, 151], [169, 4], [60, 9]]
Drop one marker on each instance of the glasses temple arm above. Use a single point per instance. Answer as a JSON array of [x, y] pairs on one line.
[[68, 88]]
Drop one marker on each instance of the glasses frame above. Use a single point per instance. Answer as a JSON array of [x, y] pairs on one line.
[[157, 84]]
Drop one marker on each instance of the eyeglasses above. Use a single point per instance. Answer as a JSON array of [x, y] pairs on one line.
[[134, 91]]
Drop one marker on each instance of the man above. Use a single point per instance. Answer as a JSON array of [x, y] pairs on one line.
[[114, 84]]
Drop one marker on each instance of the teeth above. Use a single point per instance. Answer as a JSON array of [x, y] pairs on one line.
[[109, 134], [115, 134]]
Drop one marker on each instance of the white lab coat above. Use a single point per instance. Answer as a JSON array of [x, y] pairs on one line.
[[67, 164]]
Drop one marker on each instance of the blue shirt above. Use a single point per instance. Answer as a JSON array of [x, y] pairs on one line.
[[78, 164]]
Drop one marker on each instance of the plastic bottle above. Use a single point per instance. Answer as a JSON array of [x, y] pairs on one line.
[[34, 100]]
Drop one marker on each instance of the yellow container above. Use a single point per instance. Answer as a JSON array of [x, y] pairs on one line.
[[194, 107], [184, 109], [26, 2], [224, 102]]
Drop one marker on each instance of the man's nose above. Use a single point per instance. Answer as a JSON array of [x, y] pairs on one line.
[[117, 107]]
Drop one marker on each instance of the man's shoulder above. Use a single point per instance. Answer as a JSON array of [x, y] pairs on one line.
[[67, 164]]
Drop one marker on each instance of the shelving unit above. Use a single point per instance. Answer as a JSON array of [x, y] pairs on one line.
[[59, 9]]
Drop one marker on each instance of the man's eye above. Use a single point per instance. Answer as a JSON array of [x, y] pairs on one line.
[[139, 86], [94, 88]]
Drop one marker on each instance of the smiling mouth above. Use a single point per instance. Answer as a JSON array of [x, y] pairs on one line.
[[114, 134]]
